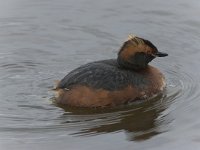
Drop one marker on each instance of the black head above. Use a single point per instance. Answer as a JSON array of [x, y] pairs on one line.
[[136, 53]]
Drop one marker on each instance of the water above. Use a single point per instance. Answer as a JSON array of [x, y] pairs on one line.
[[42, 40]]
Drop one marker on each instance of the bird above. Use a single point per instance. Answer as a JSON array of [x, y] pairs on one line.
[[114, 82]]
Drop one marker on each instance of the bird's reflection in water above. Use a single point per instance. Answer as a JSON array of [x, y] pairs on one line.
[[138, 121]]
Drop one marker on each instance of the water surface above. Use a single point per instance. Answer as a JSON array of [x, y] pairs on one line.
[[42, 40]]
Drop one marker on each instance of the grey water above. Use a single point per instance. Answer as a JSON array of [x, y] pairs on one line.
[[42, 40]]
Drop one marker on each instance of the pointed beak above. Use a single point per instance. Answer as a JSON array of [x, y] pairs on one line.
[[161, 54]]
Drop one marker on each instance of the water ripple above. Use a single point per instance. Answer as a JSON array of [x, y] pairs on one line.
[[140, 121]]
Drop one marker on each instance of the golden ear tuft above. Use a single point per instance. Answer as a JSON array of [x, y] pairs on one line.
[[135, 40], [131, 37]]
